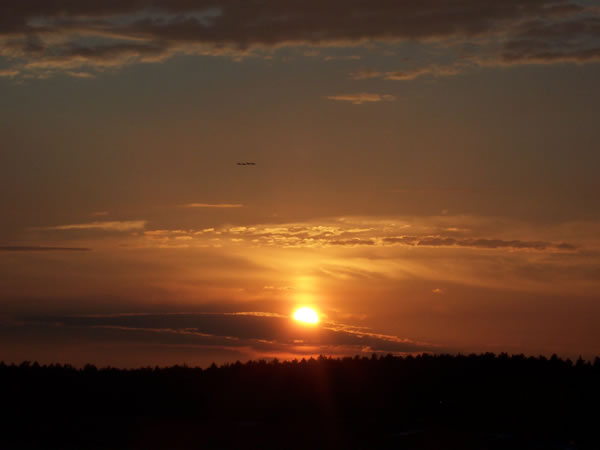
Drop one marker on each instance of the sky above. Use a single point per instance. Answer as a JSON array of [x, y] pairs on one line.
[[425, 178]]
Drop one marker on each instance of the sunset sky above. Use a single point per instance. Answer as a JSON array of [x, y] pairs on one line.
[[426, 178]]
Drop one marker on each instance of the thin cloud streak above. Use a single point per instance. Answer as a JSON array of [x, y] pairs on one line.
[[262, 331], [436, 241], [359, 99], [8, 73], [408, 74], [33, 248], [212, 205], [127, 225]]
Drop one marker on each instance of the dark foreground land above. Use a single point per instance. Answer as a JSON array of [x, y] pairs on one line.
[[425, 402]]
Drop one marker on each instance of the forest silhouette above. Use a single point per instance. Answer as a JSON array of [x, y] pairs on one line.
[[422, 402]]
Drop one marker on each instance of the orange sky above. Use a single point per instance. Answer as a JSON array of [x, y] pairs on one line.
[[425, 177]]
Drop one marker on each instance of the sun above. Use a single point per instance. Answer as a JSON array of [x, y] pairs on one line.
[[306, 315]]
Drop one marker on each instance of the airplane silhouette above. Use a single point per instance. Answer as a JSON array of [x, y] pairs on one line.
[[246, 164]]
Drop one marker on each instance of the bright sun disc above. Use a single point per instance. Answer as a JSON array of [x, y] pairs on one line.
[[306, 315]]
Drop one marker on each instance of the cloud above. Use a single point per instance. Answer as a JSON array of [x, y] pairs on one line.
[[80, 74], [262, 331], [212, 205], [438, 241], [342, 58], [409, 74], [127, 225], [353, 242], [359, 99], [33, 248], [63, 35], [540, 42], [354, 233], [99, 58], [8, 73], [274, 22]]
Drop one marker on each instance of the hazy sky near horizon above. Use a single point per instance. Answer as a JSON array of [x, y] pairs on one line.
[[426, 178]]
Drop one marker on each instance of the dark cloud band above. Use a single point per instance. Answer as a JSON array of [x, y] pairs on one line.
[[265, 332], [529, 31]]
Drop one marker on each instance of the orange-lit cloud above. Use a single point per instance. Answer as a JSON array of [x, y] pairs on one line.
[[127, 225], [491, 236], [76, 74], [471, 270], [9, 73], [212, 205], [33, 248], [346, 233], [359, 99], [409, 74]]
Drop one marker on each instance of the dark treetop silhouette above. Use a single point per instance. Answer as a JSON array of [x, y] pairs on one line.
[[426, 402]]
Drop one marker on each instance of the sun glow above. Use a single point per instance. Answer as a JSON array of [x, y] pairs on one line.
[[306, 315]]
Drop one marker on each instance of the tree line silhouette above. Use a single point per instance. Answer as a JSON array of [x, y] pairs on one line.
[[482, 401]]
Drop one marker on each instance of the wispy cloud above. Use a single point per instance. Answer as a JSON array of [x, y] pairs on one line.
[[353, 242], [212, 205], [8, 73], [127, 225], [409, 74], [33, 248], [76, 74], [442, 241], [359, 99], [342, 58], [375, 233]]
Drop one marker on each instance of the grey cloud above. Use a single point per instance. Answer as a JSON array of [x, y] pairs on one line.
[[153, 30], [273, 21], [498, 243], [565, 246], [355, 241], [98, 57], [436, 241], [260, 331], [406, 240], [540, 42]]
